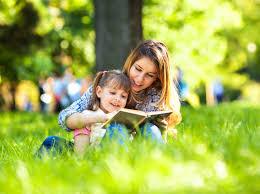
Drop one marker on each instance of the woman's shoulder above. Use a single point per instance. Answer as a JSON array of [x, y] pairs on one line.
[[150, 100], [154, 92], [89, 90]]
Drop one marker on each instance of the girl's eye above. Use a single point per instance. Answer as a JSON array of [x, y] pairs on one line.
[[124, 96], [113, 93]]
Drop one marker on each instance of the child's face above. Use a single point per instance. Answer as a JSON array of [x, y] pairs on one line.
[[111, 99], [142, 74]]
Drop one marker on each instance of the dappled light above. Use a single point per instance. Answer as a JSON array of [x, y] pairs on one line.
[[208, 40], [208, 156], [51, 50]]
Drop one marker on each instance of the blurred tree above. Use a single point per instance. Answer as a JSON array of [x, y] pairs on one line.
[[247, 39], [207, 39], [69, 34], [118, 25], [16, 40], [41, 37]]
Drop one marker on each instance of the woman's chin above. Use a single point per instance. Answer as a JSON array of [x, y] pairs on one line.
[[136, 89]]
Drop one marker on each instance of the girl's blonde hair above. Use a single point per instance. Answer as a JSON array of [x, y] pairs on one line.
[[157, 52], [114, 79]]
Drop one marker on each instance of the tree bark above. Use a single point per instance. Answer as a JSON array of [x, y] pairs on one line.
[[118, 26], [210, 100], [13, 92]]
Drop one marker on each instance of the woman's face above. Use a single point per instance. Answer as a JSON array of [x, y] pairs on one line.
[[142, 74]]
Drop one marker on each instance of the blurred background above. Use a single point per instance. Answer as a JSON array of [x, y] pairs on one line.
[[50, 50]]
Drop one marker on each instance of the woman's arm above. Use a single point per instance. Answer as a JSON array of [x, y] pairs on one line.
[[76, 107], [149, 104]]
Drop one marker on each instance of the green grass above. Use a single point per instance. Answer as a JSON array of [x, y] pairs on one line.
[[217, 151]]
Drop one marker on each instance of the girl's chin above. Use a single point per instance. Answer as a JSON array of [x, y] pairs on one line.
[[113, 109]]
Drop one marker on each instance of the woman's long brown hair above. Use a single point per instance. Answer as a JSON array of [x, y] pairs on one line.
[[158, 54]]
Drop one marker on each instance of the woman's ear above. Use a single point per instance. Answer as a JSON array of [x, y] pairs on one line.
[[98, 91]]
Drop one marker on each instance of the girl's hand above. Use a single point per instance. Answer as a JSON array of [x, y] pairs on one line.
[[110, 115], [89, 117], [101, 116]]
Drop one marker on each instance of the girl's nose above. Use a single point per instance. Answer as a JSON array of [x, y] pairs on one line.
[[117, 98]]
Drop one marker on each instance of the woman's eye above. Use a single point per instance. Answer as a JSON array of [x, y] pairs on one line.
[[151, 76], [138, 69]]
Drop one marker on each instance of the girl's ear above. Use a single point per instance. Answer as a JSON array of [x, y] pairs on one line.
[[98, 91]]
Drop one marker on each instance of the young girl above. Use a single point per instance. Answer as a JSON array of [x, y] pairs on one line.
[[110, 93], [150, 73]]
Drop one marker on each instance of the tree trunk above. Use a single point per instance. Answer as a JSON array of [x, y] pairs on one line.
[[136, 28], [118, 26], [13, 92], [210, 100]]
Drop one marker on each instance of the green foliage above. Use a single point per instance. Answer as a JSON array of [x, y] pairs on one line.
[[16, 38], [207, 39], [37, 37], [217, 151]]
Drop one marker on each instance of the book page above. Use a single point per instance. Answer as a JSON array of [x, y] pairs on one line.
[[165, 113], [130, 118]]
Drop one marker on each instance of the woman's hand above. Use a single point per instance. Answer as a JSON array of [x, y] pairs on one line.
[[172, 132]]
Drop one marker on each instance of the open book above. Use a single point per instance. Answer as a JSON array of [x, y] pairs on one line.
[[133, 118]]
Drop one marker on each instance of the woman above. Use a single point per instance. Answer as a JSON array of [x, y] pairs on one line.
[[152, 87]]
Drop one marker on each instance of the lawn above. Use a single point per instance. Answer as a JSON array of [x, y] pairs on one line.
[[217, 151]]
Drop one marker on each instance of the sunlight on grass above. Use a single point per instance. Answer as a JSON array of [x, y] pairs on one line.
[[217, 151]]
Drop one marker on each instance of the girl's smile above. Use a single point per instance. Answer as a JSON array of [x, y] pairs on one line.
[[111, 99]]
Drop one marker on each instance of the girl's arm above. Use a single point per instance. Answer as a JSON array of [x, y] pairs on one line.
[[77, 107], [82, 135], [85, 118], [81, 140]]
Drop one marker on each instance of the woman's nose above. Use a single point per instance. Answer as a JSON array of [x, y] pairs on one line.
[[140, 78]]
